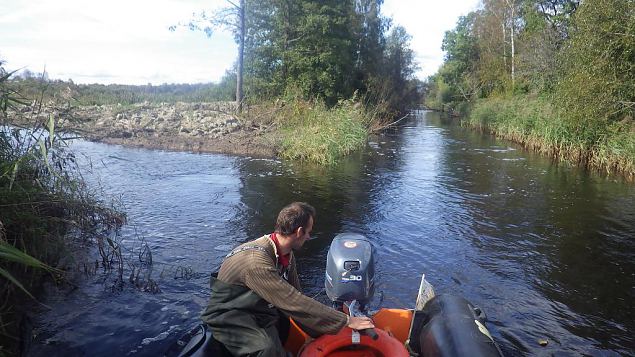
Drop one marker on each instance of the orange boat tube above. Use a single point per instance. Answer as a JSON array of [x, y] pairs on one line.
[[392, 327], [345, 345]]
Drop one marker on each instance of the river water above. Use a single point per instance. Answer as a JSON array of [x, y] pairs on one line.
[[546, 250]]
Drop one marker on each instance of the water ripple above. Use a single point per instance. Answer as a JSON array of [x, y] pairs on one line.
[[546, 251]]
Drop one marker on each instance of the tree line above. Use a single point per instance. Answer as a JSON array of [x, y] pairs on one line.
[[306, 49], [327, 50], [32, 85], [542, 47], [572, 62]]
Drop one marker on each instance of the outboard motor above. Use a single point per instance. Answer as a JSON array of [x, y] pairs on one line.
[[350, 270]]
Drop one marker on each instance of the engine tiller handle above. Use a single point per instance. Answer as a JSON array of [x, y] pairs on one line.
[[370, 332], [353, 310]]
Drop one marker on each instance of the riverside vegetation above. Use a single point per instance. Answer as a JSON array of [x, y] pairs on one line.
[[46, 212], [555, 75]]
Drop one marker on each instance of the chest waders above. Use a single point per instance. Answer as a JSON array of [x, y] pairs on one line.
[[245, 323]]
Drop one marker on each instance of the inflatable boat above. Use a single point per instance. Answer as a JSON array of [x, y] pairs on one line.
[[443, 325]]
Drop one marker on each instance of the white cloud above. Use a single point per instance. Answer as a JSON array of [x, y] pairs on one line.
[[427, 22], [128, 41], [113, 41]]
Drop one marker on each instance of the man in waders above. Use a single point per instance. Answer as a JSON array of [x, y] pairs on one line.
[[257, 289]]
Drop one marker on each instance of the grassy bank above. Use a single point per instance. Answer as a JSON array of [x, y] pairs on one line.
[[310, 131], [315, 133], [305, 129], [308, 127], [45, 211], [537, 124]]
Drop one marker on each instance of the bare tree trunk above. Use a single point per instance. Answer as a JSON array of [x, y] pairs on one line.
[[504, 44], [241, 50], [287, 38], [512, 5], [513, 49]]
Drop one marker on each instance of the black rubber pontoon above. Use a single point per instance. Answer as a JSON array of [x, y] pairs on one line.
[[449, 325]]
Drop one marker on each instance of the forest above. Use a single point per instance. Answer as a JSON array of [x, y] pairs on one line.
[[555, 75], [327, 51]]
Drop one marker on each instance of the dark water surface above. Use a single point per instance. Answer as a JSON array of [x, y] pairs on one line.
[[547, 251]]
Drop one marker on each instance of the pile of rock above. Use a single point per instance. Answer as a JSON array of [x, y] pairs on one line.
[[194, 127], [209, 120]]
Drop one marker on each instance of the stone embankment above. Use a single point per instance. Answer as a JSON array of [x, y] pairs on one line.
[[205, 120], [196, 127]]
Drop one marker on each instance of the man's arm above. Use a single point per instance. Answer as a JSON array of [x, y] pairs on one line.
[[263, 279], [294, 279]]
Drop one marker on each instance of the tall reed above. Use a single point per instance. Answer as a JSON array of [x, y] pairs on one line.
[[312, 132], [536, 123], [44, 205]]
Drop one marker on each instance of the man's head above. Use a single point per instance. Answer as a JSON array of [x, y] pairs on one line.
[[296, 221]]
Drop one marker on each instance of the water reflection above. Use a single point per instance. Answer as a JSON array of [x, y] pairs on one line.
[[341, 195], [546, 231]]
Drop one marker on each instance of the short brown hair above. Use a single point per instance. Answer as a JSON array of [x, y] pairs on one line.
[[293, 216]]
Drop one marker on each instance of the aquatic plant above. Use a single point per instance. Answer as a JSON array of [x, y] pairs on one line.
[[45, 205], [312, 132]]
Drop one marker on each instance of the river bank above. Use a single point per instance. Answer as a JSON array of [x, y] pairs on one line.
[[192, 127], [269, 132], [48, 217], [608, 148], [294, 129]]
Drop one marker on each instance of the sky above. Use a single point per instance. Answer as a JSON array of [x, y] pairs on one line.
[[129, 41]]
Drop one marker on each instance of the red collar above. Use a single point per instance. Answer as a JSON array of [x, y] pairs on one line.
[[282, 259]]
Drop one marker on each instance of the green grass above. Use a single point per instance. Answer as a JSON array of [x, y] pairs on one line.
[[616, 153], [537, 124], [312, 132]]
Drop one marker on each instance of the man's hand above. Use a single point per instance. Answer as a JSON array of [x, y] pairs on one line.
[[360, 323]]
